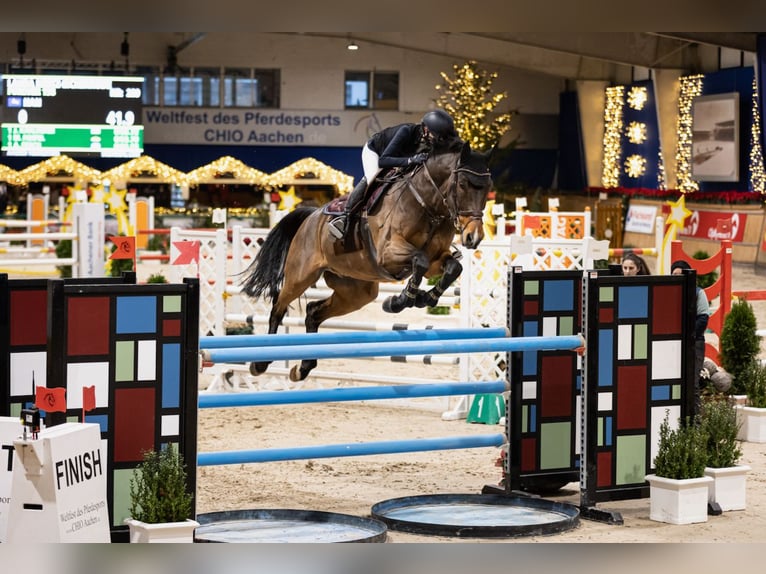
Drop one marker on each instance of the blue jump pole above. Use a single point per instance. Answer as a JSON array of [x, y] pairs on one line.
[[351, 350], [351, 449], [263, 398], [281, 339]]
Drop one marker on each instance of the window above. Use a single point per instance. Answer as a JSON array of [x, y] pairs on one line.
[[376, 90], [245, 88]]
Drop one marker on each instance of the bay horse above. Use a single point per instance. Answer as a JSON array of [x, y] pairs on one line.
[[409, 234]]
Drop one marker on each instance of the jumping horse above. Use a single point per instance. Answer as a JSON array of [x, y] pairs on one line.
[[409, 233]]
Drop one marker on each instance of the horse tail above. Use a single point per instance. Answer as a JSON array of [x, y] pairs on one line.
[[267, 271]]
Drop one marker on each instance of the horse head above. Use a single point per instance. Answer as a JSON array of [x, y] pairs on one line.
[[473, 183]]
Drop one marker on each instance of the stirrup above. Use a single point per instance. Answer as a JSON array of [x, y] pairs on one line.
[[337, 227]]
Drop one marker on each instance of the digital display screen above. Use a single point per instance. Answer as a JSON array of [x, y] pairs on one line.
[[46, 115]]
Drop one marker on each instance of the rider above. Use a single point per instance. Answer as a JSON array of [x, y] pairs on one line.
[[397, 146]]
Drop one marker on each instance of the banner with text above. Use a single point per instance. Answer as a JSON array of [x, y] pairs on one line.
[[641, 218], [266, 127], [705, 225]]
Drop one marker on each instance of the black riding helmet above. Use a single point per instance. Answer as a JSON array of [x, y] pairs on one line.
[[440, 124]]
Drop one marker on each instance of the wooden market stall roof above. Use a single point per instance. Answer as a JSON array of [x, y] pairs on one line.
[[309, 171], [227, 169], [8, 174], [144, 169], [59, 168]]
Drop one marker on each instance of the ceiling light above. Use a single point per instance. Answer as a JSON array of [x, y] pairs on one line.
[[352, 46]]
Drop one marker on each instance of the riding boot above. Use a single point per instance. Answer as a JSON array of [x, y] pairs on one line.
[[339, 225]]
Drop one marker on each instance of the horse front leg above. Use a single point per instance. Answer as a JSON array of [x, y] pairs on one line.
[[275, 320], [409, 294], [451, 270]]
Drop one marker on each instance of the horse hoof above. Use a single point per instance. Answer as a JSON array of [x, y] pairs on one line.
[[390, 306], [258, 368], [295, 374]]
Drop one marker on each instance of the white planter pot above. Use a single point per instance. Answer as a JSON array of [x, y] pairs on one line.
[[162, 532], [728, 486], [678, 501], [753, 424]]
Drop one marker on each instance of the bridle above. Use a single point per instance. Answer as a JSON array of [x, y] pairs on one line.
[[449, 199]]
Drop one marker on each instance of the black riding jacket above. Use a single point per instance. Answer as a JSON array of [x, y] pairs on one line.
[[395, 145]]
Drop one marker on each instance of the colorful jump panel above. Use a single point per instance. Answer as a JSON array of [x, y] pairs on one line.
[[24, 337], [137, 345], [545, 386], [636, 373]]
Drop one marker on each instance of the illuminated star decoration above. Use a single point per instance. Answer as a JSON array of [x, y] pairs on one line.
[[288, 200], [98, 195], [76, 195], [637, 97], [117, 207], [636, 132], [635, 165], [674, 223]]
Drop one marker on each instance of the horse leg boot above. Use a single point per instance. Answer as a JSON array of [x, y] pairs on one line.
[[339, 226], [411, 291], [452, 270]]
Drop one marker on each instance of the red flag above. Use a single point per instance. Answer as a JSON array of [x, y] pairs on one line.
[[188, 252], [531, 222], [51, 400], [126, 247], [89, 398]]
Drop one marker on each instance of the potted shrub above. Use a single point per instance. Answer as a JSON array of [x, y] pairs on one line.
[[678, 489], [156, 278], [160, 502], [752, 415], [739, 343], [718, 421]]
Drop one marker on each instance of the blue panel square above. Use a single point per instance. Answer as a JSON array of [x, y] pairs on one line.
[[661, 393], [532, 418], [633, 302], [605, 357], [529, 358], [171, 379], [558, 295], [136, 314], [608, 431], [101, 420]]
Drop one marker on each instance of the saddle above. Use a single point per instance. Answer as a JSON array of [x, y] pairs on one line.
[[376, 192]]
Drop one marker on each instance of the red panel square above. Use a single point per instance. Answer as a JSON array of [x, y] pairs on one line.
[[88, 326], [531, 307], [29, 317], [606, 315], [528, 454], [667, 310], [603, 469], [171, 327], [556, 386], [631, 397], [134, 423]]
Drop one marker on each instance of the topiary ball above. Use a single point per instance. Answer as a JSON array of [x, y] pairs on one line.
[[721, 380]]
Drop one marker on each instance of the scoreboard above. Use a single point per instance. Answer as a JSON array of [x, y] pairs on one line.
[[45, 115]]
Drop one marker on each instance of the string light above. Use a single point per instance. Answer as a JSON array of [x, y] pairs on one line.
[[9, 175], [145, 167], [468, 98], [615, 100], [637, 97], [295, 174], [227, 167], [636, 132], [58, 166], [691, 87], [662, 182], [757, 182], [635, 165]]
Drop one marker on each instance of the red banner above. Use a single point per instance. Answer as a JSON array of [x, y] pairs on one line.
[[51, 400], [705, 225]]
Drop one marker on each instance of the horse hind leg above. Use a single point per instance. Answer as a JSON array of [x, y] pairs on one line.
[[348, 295], [275, 320]]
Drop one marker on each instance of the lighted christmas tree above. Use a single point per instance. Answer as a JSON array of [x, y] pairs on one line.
[[469, 98], [757, 180]]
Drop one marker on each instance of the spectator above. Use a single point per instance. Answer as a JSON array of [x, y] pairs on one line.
[[700, 325], [633, 264]]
